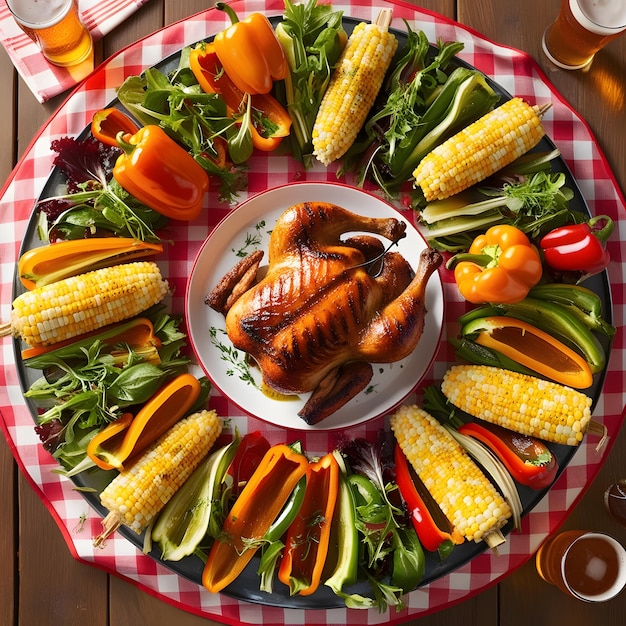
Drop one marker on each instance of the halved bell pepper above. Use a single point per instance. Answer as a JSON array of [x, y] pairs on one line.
[[47, 264], [434, 536], [528, 460], [248, 521], [270, 122], [579, 247], [533, 348], [163, 410], [501, 266], [136, 333], [107, 124], [161, 174], [344, 535], [250, 452], [250, 52], [210, 74], [307, 540], [111, 437]]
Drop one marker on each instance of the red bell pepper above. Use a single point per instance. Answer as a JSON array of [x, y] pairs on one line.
[[529, 460], [579, 247], [432, 537], [250, 452]]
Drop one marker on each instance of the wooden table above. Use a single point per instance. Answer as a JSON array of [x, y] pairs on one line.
[[42, 584]]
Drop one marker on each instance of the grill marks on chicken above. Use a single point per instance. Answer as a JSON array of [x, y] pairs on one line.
[[327, 307]]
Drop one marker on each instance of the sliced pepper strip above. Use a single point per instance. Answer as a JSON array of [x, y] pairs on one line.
[[106, 125], [529, 460], [161, 174], [306, 545], [431, 536], [250, 52], [501, 266], [247, 522], [163, 410], [47, 264]]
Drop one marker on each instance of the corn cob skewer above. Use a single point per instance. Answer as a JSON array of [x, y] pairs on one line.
[[480, 149], [465, 495], [354, 85], [80, 304], [137, 494], [525, 404]]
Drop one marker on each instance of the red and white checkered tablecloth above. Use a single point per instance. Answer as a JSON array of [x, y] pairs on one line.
[[514, 71], [44, 79]]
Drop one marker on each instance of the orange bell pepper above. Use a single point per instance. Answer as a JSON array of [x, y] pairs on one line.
[[254, 511], [46, 264], [163, 410], [161, 174], [137, 333], [210, 74], [307, 540], [501, 266], [106, 124], [250, 52], [270, 122]]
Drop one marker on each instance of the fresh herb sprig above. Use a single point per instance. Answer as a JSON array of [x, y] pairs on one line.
[[230, 354], [94, 201], [85, 389]]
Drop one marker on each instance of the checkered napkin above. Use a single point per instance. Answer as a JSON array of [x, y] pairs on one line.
[[517, 73], [44, 79]]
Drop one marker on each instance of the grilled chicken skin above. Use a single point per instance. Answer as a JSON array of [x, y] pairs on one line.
[[327, 307]]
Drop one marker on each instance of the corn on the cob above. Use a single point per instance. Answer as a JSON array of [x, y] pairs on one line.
[[525, 404], [353, 88], [464, 493], [141, 490], [80, 304], [480, 149]]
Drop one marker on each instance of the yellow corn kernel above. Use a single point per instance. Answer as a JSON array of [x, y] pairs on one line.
[[465, 495], [479, 150], [525, 404], [137, 494], [80, 304], [354, 85]]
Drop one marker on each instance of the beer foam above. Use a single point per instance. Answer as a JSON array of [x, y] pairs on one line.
[[596, 569], [39, 13], [603, 17]]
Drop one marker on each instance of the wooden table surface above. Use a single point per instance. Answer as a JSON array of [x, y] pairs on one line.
[[42, 584]]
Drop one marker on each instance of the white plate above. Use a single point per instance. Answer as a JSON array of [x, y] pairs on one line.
[[254, 219]]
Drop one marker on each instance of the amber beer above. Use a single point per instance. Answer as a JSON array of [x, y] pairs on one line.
[[581, 29], [55, 25], [586, 565]]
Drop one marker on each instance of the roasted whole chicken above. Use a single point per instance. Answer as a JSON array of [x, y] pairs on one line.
[[327, 307]]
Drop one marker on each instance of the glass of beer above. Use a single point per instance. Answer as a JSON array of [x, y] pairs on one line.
[[589, 566], [581, 29], [56, 27]]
